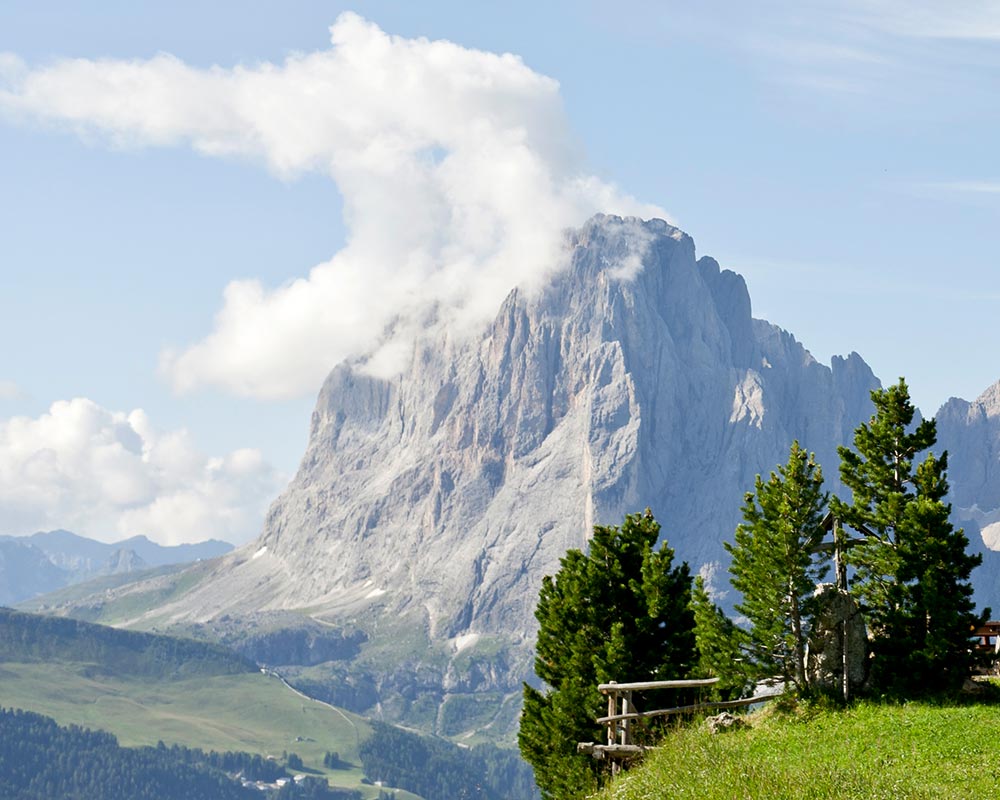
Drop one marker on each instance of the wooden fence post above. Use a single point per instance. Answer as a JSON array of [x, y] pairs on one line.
[[627, 708], [612, 706]]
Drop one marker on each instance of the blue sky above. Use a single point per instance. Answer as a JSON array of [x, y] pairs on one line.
[[841, 156]]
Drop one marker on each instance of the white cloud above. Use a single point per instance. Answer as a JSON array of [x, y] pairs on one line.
[[108, 475], [456, 167]]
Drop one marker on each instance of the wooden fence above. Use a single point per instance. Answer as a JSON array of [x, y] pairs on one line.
[[622, 714]]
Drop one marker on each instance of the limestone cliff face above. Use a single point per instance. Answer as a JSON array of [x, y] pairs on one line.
[[636, 378], [970, 432]]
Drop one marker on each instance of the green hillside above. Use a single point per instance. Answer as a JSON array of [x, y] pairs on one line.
[[100, 600], [86, 592], [30, 637], [254, 713], [146, 688], [896, 752]]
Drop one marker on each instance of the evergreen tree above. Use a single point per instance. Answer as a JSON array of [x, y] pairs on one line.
[[719, 643], [620, 612], [776, 567], [912, 568]]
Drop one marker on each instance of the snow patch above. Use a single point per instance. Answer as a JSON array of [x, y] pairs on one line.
[[991, 536], [748, 401], [376, 592], [464, 641], [259, 553]]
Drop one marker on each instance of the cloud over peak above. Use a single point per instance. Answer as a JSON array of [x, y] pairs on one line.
[[457, 169]]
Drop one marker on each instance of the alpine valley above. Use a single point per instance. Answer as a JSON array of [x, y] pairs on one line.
[[398, 573]]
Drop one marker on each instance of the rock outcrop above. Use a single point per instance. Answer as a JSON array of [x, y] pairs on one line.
[[838, 623]]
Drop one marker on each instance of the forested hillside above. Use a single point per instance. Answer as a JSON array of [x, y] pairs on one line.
[[41, 761], [29, 637], [439, 770]]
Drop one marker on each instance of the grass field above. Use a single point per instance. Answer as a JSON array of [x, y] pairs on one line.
[[908, 752], [254, 713]]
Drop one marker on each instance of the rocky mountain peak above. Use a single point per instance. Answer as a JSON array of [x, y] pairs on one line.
[[972, 431], [989, 401], [636, 377]]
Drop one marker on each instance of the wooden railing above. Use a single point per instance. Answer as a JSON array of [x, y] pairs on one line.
[[622, 714]]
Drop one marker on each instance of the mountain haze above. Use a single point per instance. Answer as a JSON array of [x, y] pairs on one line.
[[49, 560]]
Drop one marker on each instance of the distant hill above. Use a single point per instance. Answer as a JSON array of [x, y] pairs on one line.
[[31, 637], [26, 571], [72, 551], [50, 560]]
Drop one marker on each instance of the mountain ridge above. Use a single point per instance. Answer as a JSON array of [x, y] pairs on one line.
[[47, 561]]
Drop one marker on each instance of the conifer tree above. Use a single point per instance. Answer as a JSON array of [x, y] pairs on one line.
[[720, 644], [776, 567], [912, 568], [619, 612]]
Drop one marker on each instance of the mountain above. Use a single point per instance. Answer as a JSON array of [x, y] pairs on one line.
[[973, 431], [970, 432], [398, 573], [26, 571], [46, 561], [80, 554], [447, 493], [429, 506]]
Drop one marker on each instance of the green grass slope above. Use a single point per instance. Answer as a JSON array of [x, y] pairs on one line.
[[122, 599], [908, 752], [253, 713]]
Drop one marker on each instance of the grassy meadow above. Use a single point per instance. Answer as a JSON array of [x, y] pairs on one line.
[[252, 712], [868, 752]]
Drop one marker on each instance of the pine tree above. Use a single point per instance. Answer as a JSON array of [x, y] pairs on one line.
[[621, 612], [719, 643], [912, 568], [776, 567]]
